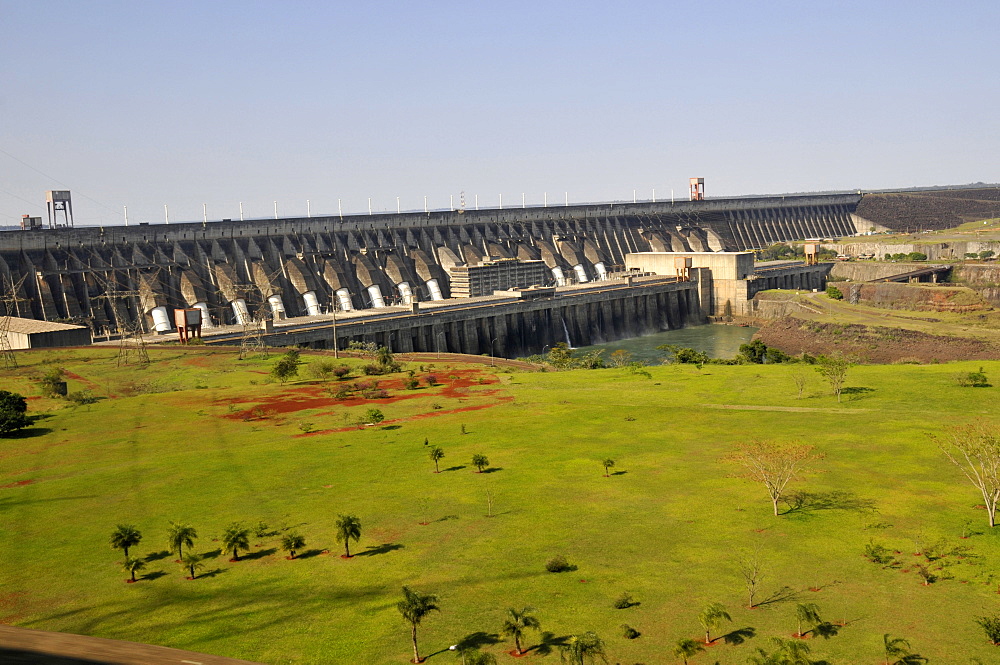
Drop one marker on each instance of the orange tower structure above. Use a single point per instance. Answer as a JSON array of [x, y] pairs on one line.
[[697, 189]]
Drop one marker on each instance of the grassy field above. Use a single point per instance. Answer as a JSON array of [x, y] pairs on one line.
[[669, 527]]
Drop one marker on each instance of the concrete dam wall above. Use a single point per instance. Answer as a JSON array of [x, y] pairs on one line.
[[305, 266]]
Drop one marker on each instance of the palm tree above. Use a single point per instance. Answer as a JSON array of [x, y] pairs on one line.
[[133, 565], [516, 622], [125, 536], [608, 463], [712, 617], [191, 562], [291, 542], [897, 652], [436, 454], [807, 613], [236, 537], [582, 648], [348, 527], [794, 652], [414, 607], [686, 648], [180, 535], [476, 657], [480, 462]]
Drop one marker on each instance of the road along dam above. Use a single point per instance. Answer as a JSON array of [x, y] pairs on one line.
[[120, 278]]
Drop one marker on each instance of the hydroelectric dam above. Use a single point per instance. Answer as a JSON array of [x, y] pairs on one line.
[[394, 278]]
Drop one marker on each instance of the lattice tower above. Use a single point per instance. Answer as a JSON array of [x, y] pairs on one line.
[[10, 302]]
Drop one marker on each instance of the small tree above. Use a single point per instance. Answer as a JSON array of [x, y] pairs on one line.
[[125, 536], [800, 383], [686, 648], [752, 572], [711, 618], [608, 464], [287, 367], [414, 607], [897, 652], [975, 449], [516, 622], [991, 626], [348, 528], [834, 293], [292, 542], [373, 416], [807, 613], [619, 358], [191, 562], [179, 536], [834, 368], [436, 454], [321, 370], [53, 383], [773, 465], [236, 537], [132, 566], [581, 649], [480, 462], [13, 412]]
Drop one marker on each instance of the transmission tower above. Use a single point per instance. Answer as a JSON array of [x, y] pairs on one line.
[[131, 343], [9, 300]]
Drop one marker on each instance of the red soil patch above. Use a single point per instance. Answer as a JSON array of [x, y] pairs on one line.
[[20, 483], [345, 556], [93, 387], [312, 396], [131, 581], [515, 654]]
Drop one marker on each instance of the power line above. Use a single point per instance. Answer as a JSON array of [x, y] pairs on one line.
[[58, 182]]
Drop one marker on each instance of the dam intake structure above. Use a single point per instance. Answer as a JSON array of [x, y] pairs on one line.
[[298, 267]]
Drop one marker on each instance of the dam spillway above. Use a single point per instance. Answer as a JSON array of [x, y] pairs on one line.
[[305, 266]]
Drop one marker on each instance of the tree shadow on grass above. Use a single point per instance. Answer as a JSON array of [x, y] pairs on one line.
[[212, 554], [155, 575], [22, 657], [156, 556], [258, 554], [619, 473], [856, 392], [9, 502], [739, 636], [547, 643], [27, 433], [391, 427], [807, 502], [478, 640], [308, 554], [783, 595], [455, 468], [492, 469], [211, 573], [384, 548]]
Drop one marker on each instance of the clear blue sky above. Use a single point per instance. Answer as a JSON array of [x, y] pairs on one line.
[[185, 103]]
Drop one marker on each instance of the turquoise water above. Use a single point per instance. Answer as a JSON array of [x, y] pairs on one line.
[[718, 341]]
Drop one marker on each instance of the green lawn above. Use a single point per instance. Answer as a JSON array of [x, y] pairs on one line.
[[669, 528]]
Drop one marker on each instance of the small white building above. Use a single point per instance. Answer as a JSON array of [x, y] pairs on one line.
[[32, 334]]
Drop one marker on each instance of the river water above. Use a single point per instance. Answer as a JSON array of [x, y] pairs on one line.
[[718, 341]]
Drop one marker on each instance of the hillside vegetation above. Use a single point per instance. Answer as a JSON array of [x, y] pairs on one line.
[[198, 437]]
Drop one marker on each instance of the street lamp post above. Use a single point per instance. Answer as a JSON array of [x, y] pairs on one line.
[[492, 342]]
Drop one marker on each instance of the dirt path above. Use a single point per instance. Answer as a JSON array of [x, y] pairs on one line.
[[451, 357], [22, 645], [794, 409]]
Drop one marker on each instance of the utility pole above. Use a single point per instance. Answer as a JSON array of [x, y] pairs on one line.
[[126, 215], [241, 211], [166, 214]]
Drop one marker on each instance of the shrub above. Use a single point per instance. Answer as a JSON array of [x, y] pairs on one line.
[[973, 379], [623, 602], [879, 554], [834, 293], [306, 427], [321, 370], [371, 369], [411, 383], [341, 371], [262, 530], [373, 417], [558, 564], [53, 384], [81, 398], [990, 626], [629, 633], [343, 392], [431, 380]]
